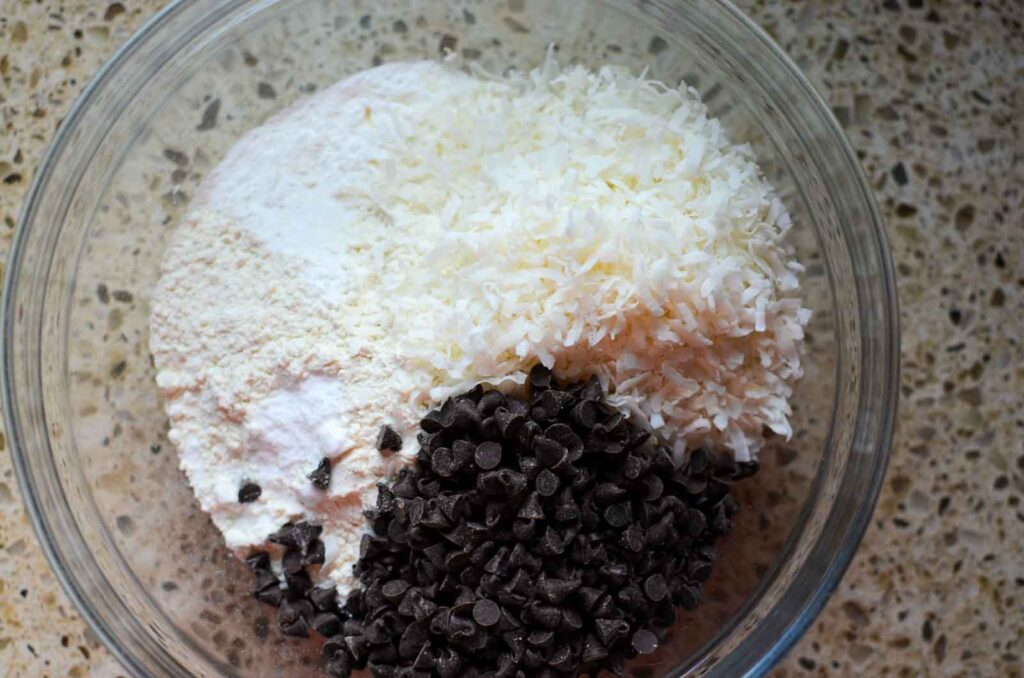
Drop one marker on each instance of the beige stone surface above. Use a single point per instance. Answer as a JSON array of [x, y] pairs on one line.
[[931, 96]]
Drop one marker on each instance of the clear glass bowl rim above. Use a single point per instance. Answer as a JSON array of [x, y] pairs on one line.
[[888, 348]]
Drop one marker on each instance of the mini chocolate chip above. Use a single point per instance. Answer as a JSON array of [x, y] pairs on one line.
[[292, 561], [689, 597], [321, 477], [339, 666], [324, 599], [549, 452], [584, 414], [489, 402], [293, 617], [486, 612], [655, 587], [588, 597], [547, 483], [556, 590], [618, 515], [298, 582], [249, 492], [561, 659], [272, 595], [610, 630], [695, 522], [606, 493], [326, 623], [540, 378], [443, 462], [465, 416], [644, 642], [593, 650], [388, 439], [395, 589], [531, 508], [260, 560], [699, 461], [297, 535], [488, 455], [653, 488], [315, 553]]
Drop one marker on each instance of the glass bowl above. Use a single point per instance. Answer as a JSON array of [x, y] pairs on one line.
[[87, 430]]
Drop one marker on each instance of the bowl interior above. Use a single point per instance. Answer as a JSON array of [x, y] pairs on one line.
[[117, 514]]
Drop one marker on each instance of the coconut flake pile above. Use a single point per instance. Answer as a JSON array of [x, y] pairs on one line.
[[600, 223]]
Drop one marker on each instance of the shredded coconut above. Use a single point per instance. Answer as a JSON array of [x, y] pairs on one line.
[[414, 230]]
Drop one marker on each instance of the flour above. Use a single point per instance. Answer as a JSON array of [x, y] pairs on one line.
[[414, 230], [271, 346]]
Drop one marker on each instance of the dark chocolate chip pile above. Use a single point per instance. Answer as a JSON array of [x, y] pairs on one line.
[[536, 537]]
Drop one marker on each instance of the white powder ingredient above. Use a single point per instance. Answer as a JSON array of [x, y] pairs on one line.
[[413, 230]]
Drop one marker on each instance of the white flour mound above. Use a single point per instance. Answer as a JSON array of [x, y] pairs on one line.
[[414, 230]]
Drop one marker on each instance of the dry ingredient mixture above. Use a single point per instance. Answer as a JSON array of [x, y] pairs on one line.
[[415, 233]]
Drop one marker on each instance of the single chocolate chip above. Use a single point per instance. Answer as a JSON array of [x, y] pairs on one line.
[[260, 560], [551, 544], [315, 553], [698, 569], [561, 659], [486, 612], [326, 624], [272, 595], [449, 664], [324, 599], [395, 589], [635, 467], [292, 561], [549, 452], [425, 660], [413, 639], [297, 535], [540, 378], [610, 630], [644, 642], [489, 402], [443, 462], [588, 597], [465, 416], [547, 483], [388, 439], [358, 648], [607, 493], [321, 477], [488, 455], [293, 617], [555, 591], [593, 650], [618, 515], [695, 522], [554, 402], [547, 616], [566, 437], [531, 509], [689, 597], [265, 579], [339, 666], [584, 414], [699, 461], [249, 492], [746, 469], [299, 582], [655, 587], [508, 422], [653, 487]]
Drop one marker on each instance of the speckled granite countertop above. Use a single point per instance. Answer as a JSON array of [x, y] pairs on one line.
[[932, 97]]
